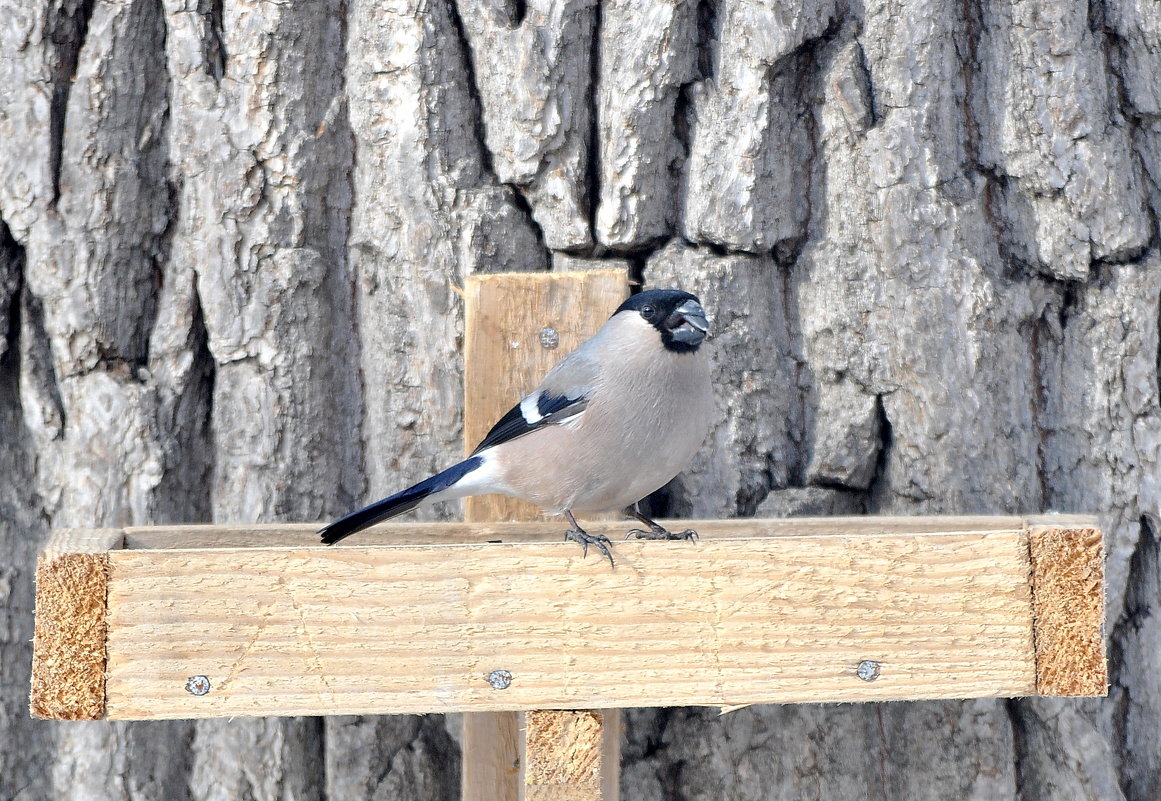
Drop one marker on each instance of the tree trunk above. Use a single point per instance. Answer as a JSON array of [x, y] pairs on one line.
[[231, 233]]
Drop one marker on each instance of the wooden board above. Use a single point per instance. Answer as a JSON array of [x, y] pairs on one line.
[[519, 325], [504, 359], [305, 535], [759, 611]]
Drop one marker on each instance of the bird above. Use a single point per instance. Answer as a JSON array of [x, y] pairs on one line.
[[612, 422]]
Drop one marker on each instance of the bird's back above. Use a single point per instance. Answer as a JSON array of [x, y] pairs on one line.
[[648, 414]]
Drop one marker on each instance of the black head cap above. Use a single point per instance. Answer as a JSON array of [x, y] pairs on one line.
[[677, 315]]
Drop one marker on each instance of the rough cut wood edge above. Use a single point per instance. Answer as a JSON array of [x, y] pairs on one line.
[[68, 655], [1068, 596], [572, 756]]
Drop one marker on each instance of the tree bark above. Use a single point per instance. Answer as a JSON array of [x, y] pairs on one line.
[[231, 233]]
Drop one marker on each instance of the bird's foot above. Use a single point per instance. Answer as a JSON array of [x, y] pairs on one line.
[[659, 532], [598, 541]]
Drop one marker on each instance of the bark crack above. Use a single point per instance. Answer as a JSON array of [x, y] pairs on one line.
[[214, 55], [478, 128], [41, 369], [884, 754], [66, 26], [12, 262], [972, 16], [1019, 744], [184, 492], [707, 39], [521, 202], [472, 85], [592, 196], [514, 12], [874, 104], [1140, 606], [879, 485], [801, 70], [1037, 401]]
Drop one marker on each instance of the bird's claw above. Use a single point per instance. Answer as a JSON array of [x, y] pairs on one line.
[[599, 541], [662, 533]]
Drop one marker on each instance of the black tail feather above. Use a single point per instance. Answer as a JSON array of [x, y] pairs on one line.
[[398, 503]]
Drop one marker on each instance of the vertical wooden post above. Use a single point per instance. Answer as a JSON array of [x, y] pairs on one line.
[[517, 326], [492, 747]]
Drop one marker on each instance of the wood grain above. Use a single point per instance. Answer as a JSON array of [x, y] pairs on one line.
[[288, 535], [68, 661], [728, 621], [503, 357], [492, 746], [572, 756], [759, 611], [1068, 601], [504, 360]]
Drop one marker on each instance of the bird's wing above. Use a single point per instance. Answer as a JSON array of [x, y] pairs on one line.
[[562, 395]]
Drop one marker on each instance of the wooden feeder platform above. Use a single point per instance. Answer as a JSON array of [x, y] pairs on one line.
[[506, 622], [401, 621]]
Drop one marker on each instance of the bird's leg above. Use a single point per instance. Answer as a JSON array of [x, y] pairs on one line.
[[656, 530], [578, 534]]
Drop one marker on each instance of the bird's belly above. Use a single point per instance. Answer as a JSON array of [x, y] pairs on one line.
[[643, 475], [572, 469], [624, 446]]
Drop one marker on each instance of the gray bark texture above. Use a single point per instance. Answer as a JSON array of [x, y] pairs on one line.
[[231, 233]]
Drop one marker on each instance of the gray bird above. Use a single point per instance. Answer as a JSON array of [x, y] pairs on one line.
[[615, 420]]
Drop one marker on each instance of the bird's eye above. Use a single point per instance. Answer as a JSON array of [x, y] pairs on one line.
[[647, 310]]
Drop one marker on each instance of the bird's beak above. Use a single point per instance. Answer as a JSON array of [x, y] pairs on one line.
[[688, 323]]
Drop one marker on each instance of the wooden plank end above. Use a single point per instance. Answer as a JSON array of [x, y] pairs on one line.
[[1068, 604], [68, 655], [567, 755]]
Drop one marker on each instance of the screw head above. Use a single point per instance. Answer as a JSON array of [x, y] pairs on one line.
[[197, 685], [500, 679], [549, 338], [868, 670]]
